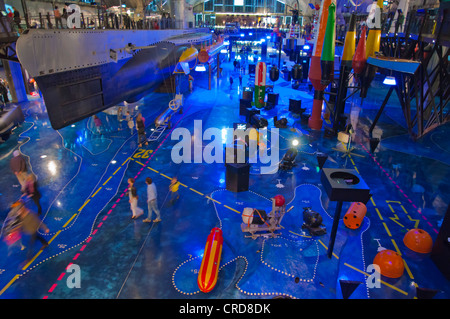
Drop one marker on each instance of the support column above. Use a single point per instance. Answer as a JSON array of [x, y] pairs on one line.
[[177, 8], [14, 76]]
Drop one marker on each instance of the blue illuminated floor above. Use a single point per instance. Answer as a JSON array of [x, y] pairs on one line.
[[83, 178]]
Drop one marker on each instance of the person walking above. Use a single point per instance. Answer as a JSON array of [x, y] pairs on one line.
[[173, 188], [152, 202], [31, 191], [30, 225], [140, 127], [18, 166], [132, 193]]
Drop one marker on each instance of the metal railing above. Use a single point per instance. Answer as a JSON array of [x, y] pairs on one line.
[[98, 21]]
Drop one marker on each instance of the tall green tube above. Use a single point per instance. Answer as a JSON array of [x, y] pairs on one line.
[[327, 58]]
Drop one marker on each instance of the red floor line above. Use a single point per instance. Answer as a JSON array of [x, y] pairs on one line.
[[117, 201], [404, 194], [52, 288]]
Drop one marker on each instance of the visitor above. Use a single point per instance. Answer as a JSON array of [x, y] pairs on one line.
[[31, 191], [132, 193], [30, 225], [140, 126], [58, 19], [152, 202], [173, 188]]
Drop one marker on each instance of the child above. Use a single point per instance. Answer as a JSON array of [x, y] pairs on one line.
[[173, 187], [132, 193]]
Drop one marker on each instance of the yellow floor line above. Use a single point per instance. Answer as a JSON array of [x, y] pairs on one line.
[[9, 284], [117, 170], [96, 192], [69, 220], [234, 210], [387, 229], [107, 180], [196, 191], [85, 203]]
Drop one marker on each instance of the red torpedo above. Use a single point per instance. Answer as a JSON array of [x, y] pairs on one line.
[[209, 269], [359, 59]]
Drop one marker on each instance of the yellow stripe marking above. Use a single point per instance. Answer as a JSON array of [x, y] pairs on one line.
[[126, 161], [403, 208], [394, 219], [408, 270], [381, 281], [9, 284], [69, 220], [33, 259], [373, 202], [152, 169], [387, 229], [379, 214], [165, 176], [107, 180], [417, 221], [300, 234], [140, 163], [54, 236], [96, 192], [196, 191], [234, 210], [117, 170], [213, 200], [396, 247], [335, 256], [85, 203]]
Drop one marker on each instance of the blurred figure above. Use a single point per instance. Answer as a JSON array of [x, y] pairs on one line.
[[173, 188], [17, 19], [58, 17], [18, 166], [30, 225], [98, 124], [31, 191], [4, 91]]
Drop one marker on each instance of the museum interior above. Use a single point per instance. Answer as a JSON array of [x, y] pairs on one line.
[[225, 149]]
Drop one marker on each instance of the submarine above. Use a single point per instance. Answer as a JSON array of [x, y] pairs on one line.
[[82, 72]]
